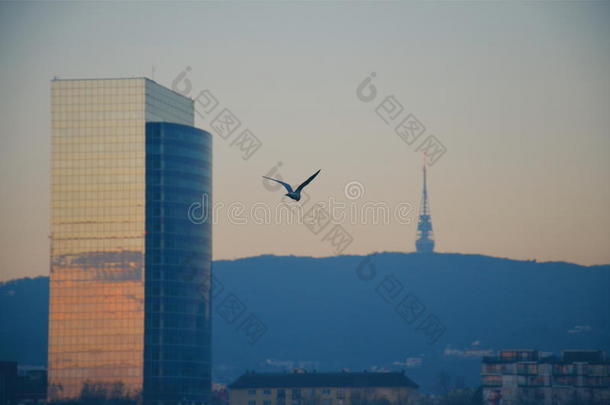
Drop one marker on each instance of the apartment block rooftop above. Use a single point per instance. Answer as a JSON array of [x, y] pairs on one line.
[[532, 355], [323, 379]]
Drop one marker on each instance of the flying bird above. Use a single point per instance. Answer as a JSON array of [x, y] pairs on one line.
[[295, 194]]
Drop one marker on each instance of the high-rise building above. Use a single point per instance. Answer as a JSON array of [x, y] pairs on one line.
[[425, 236], [129, 313], [8, 382]]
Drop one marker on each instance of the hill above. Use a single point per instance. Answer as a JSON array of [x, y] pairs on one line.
[[388, 311]]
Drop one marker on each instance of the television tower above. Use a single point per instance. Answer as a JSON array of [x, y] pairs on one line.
[[425, 236]]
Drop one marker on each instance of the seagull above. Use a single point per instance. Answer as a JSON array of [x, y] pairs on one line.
[[295, 194]]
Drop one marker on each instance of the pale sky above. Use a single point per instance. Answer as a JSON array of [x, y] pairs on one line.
[[519, 94]]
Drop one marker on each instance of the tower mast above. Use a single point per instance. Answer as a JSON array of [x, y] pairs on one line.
[[425, 236]]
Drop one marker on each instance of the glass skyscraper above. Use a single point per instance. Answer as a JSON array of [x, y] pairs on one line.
[[130, 270]]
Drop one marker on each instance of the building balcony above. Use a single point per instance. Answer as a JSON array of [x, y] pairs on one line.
[[532, 381], [492, 381], [527, 369]]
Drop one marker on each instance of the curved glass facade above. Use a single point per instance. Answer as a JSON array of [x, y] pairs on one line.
[[178, 259]]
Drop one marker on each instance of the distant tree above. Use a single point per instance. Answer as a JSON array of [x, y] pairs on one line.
[[460, 396], [453, 391], [93, 393], [97, 393]]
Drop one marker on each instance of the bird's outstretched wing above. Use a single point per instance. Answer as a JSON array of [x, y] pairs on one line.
[[306, 182], [286, 185]]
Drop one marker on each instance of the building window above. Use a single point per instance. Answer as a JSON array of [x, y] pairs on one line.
[[267, 392], [251, 402], [326, 391], [340, 393], [266, 402], [527, 368], [492, 368], [327, 402], [251, 392], [281, 393], [296, 393], [492, 380]]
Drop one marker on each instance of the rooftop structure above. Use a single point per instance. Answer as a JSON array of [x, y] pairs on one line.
[[313, 388]]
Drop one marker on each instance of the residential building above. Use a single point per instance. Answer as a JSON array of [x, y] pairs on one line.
[[314, 388], [520, 377]]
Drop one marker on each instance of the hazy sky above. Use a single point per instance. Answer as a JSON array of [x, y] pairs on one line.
[[519, 94]]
